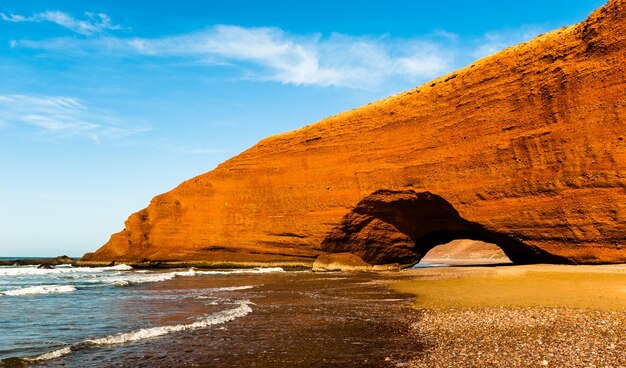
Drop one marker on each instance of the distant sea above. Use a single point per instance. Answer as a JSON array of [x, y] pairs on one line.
[[116, 316], [27, 258]]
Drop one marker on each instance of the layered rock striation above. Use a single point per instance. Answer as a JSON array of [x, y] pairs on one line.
[[526, 149]]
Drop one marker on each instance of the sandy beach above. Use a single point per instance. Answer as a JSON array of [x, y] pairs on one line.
[[519, 316]]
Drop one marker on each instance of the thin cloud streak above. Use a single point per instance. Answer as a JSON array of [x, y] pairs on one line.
[[271, 54], [92, 24], [61, 116]]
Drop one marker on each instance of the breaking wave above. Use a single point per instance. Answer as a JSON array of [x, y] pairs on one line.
[[41, 289], [242, 309], [34, 271], [252, 270], [51, 355], [223, 289], [84, 286], [234, 288], [69, 279]]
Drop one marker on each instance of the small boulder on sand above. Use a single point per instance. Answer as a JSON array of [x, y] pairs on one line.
[[387, 267], [340, 262]]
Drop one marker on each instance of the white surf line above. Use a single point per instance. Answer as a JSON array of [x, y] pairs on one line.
[[120, 279], [52, 355], [213, 291], [41, 289], [139, 278], [221, 317], [33, 270], [241, 270], [232, 288]]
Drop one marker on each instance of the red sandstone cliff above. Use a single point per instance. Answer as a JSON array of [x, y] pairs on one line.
[[526, 148]]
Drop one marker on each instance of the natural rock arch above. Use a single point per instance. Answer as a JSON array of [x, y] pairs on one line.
[[528, 142], [402, 226]]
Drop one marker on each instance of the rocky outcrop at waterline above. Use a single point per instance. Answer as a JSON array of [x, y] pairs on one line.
[[526, 148], [41, 262], [346, 262]]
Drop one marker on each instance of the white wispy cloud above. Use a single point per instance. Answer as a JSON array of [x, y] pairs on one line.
[[338, 60], [493, 42], [92, 23], [271, 54], [62, 117]]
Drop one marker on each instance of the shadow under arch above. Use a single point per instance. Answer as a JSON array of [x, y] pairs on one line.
[[402, 226]]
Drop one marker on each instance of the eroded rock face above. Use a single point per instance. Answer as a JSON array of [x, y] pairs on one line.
[[402, 226], [528, 146]]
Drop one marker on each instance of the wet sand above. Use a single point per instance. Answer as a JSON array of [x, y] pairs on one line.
[[519, 316], [298, 320]]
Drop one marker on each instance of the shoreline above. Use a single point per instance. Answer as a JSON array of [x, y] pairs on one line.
[[209, 265], [298, 319], [443, 317], [153, 265], [518, 316], [38, 261], [450, 263]]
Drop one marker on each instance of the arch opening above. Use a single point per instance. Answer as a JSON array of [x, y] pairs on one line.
[[464, 252], [402, 226]]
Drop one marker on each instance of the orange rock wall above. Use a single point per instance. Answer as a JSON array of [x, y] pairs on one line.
[[530, 143]]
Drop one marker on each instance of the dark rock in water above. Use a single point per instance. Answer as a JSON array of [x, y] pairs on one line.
[[63, 260], [40, 262], [46, 266]]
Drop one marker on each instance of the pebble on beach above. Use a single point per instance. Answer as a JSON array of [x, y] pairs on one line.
[[521, 337]]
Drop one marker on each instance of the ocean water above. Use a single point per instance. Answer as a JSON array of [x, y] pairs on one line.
[[117, 316], [49, 313]]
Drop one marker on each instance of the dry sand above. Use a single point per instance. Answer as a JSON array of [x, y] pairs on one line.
[[519, 316]]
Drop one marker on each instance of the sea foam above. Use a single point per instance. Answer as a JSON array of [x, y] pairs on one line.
[[127, 279], [146, 333], [41, 289], [120, 267], [241, 310], [52, 355], [34, 271], [233, 288], [116, 276], [223, 289], [238, 271]]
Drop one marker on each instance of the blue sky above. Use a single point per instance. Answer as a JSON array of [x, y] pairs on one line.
[[104, 104]]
